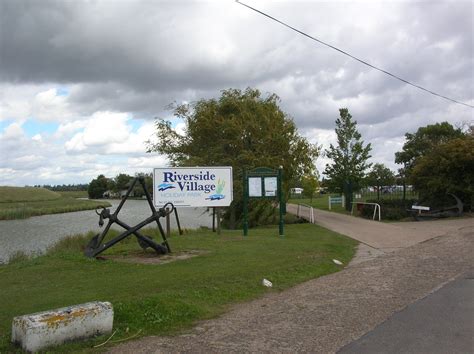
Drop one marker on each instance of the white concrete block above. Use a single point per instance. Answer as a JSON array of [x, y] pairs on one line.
[[43, 329]]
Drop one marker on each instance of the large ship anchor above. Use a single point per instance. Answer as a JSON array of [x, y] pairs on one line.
[[95, 245]]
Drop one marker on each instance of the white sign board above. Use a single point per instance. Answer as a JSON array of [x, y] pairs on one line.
[[255, 186], [192, 186], [420, 207], [270, 186]]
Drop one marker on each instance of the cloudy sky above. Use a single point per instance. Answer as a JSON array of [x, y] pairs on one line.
[[81, 81]]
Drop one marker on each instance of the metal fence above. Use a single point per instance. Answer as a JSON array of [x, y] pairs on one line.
[[386, 192]]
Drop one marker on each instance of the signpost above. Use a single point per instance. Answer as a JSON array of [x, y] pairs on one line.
[[263, 182], [336, 200], [192, 186]]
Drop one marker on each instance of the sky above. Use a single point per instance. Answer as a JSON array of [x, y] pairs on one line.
[[81, 82]]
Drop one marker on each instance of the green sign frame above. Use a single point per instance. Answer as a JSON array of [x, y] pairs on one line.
[[263, 182]]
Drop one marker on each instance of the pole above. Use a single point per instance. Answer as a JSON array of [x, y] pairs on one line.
[[213, 219], [282, 202], [177, 221], [245, 200], [218, 221]]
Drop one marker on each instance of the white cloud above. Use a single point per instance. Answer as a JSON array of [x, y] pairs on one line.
[[37, 137], [102, 130], [66, 129], [13, 131], [147, 162]]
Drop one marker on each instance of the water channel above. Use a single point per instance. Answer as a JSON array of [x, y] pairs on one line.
[[37, 234]]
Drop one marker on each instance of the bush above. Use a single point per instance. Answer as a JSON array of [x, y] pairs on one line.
[[390, 209]]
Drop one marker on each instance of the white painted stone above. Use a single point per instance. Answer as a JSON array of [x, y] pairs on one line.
[[43, 329]]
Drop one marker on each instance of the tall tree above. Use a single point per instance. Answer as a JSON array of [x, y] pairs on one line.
[[241, 129], [349, 156], [423, 142]]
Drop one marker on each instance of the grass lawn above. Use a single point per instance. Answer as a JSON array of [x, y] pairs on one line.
[[23, 202], [166, 298], [74, 194]]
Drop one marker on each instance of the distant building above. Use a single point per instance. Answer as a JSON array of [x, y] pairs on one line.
[[296, 190]]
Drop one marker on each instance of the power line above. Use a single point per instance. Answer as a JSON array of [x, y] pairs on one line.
[[351, 56]]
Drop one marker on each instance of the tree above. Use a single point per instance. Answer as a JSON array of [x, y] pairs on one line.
[[97, 187], [448, 168], [309, 184], [138, 189], [349, 156], [379, 176], [241, 129], [423, 142], [122, 181]]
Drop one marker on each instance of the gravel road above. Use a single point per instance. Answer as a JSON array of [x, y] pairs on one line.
[[325, 314]]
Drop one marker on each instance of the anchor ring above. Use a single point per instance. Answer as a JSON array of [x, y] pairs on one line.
[[99, 207]]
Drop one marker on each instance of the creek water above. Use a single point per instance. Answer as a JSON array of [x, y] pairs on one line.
[[36, 234]]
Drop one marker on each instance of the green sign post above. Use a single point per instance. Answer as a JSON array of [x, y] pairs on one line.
[[263, 182]]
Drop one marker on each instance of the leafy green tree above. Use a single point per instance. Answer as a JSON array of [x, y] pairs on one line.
[[447, 168], [241, 129], [423, 142], [122, 181], [138, 189], [97, 187], [349, 156], [310, 184], [379, 176]]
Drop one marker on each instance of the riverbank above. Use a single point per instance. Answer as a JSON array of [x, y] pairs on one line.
[[35, 235], [25, 202]]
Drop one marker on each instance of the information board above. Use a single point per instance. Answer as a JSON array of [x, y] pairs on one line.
[[271, 186], [255, 186], [193, 186]]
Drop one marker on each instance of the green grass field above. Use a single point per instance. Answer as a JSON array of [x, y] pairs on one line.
[[163, 299], [26, 194], [74, 194], [23, 202]]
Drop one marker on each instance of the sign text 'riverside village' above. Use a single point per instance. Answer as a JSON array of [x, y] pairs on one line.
[[193, 186]]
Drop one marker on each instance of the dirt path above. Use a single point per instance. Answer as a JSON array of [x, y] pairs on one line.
[[324, 314]]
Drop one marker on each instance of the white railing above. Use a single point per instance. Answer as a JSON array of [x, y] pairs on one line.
[[377, 207], [310, 212]]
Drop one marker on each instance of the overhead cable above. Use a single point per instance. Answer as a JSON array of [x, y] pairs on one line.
[[352, 56]]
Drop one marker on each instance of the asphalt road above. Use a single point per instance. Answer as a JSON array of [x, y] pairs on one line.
[[442, 322]]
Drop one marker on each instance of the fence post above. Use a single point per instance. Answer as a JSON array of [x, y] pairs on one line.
[[213, 219]]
